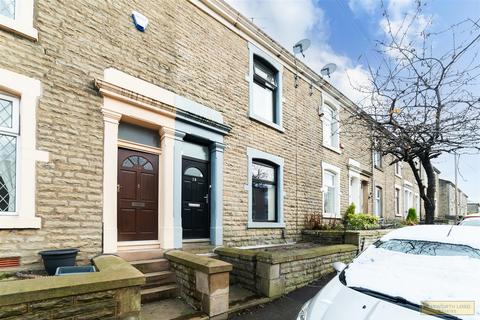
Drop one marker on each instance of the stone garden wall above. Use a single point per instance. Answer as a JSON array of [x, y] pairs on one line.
[[360, 238], [111, 293], [278, 272], [202, 282]]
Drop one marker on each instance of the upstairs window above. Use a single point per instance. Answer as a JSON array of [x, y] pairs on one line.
[[9, 135], [264, 192], [17, 16], [377, 159], [398, 169], [264, 90], [8, 8], [330, 127]]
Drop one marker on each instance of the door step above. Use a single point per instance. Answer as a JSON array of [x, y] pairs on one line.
[[159, 293], [145, 254], [156, 279], [152, 265]]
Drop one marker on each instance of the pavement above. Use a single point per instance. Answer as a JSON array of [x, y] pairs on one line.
[[284, 308]]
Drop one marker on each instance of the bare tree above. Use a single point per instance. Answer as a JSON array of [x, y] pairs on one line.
[[424, 102]]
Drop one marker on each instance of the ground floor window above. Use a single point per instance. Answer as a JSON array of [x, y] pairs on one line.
[[378, 201], [265, 174], [9, 134], [330, 190], [264, 192], [408, 200], [397, 201]]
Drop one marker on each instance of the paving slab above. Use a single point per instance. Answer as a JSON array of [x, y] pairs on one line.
[[169, 309]]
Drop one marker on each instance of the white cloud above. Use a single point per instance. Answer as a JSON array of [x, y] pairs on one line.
[[289, 21], [368, 6]]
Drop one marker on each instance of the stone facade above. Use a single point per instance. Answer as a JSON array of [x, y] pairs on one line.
[[446, 203], [274, 273], [187, 51]]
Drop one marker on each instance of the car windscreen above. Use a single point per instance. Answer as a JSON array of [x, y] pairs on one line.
[[428, 248], [470, 222]]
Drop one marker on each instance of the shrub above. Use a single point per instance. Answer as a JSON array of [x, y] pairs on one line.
[[316, 222], [412, 216], [359, 221]]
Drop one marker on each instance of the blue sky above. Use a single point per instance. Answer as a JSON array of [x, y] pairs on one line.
[[343, 32]]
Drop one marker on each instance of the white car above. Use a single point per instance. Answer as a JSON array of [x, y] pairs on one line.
[[472, 220], [421, 272]]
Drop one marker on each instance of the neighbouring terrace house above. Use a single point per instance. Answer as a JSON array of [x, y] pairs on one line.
[[446, 205], [201, 129]]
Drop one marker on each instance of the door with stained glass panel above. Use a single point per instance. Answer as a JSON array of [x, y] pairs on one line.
[[137, 195]]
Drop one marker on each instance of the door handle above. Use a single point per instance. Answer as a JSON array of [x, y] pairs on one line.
[[206, 198]]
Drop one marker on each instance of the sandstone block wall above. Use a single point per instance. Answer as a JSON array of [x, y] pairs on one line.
[[183, 50]]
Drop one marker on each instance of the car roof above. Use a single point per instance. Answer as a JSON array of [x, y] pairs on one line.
[[472, 216], [466, 235]]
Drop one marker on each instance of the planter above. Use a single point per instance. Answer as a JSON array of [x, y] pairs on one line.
[[52, 259], [63, 271]]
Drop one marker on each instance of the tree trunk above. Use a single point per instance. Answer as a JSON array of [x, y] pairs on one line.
[[428, 197], [429, 202]]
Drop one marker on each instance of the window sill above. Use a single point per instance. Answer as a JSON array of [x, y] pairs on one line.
[[378, 168], [398, 215], [267, 122], [17, 222], [11, 25], [332, 215], [398, 176], [265, 225], [336, 150]]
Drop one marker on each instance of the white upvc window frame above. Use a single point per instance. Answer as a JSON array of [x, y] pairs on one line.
[[14, 131], [326, 167], [27, 91], [398, 169], [400, 198], [254, 51], [408, 200], [252, 155], [382, 200], [22, 23], [328, 141]]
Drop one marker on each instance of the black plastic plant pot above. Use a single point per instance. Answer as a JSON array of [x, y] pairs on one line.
[[52, 259]]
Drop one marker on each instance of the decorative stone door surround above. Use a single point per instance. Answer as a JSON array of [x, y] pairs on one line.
[[138, 101]]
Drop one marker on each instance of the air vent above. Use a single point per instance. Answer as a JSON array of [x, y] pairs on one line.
[[9, 262]]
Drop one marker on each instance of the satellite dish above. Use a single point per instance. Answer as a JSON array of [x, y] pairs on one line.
[[328, 69], [301, 46]]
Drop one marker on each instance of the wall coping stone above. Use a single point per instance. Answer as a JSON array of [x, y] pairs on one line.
[[301, 254], [244, 254], [113, 273], [373, 231], [200, 263]]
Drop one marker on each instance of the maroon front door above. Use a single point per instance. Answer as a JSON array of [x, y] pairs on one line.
[[137, 195]]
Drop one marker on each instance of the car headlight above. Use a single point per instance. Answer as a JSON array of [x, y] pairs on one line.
[[303, 315]]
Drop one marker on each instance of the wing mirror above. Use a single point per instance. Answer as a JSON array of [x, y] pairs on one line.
[[339, 266]]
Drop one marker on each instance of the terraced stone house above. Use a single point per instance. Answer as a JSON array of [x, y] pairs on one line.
[[200, 129]]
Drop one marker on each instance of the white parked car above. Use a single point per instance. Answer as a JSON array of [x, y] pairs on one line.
[[471, 220], [420, 272]]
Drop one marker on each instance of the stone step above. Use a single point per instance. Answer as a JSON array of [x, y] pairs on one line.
[[135, 255], [152, 265], [155, 279], [159, 293]]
